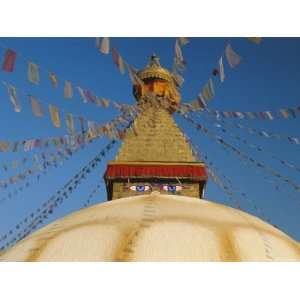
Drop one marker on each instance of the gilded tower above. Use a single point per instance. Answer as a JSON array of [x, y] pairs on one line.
[[156, 155]]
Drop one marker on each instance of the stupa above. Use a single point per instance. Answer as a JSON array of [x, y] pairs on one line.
[[156, 211]]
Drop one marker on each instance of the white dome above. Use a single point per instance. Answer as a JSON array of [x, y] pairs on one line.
[[156, 228]]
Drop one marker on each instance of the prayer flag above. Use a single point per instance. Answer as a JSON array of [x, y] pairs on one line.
[[284, 113], [70, 123], [221, 69], [178, 52], [36, 107], [201, 101], [12, 92], [4, 146], [29, 145], [177, 78], [118, 60], [105, 102], [232, 57], [98, 101], [183, 40], [15, 149], [255, 40], [92, 129], [269, 115], [89, 96], [82, 94], [104, 48], [33, 73], [240, 115], [9, 60], [54, 115], [53, 79], [208, 90], [133, 75], [68, 90], [81, 121]]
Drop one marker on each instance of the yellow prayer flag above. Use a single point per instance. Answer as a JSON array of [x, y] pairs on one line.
[[54, 115], [255, 40], [105, 102], [53, 79]]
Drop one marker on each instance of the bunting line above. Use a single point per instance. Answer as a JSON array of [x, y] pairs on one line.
[[241, 154], [33, 75], [37, 110], [269, 115], [262, 133], [47, 208], [285, 163]]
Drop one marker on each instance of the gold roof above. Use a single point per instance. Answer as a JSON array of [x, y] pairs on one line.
[[155, 70]]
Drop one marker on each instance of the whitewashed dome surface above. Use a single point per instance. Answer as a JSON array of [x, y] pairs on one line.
[[156, 228]]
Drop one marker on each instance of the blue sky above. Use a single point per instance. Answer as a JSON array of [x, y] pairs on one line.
[[267, 79]]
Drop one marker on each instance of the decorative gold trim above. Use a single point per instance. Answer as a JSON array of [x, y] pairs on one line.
[[155, 163]]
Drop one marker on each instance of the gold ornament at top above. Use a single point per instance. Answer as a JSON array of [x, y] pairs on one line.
[[158, 82]]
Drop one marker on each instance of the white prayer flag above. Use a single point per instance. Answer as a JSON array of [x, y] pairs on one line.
[[232, 57], [221, 68], [104, 48]]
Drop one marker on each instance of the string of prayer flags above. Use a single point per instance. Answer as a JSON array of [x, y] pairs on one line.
[[104, 47], [70, 123], [53, 80], [183, 41], [68, 90], [241, 154], [225, 129], [12, 93], [266, 134], [118, 60], [33, 73], [286, 113], [30, 222], [36, 107], [233, 58], [255, 40], [221, 69], [9, 60], [54, 115]]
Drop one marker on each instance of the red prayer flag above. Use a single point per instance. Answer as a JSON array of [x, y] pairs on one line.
[[9, 60]]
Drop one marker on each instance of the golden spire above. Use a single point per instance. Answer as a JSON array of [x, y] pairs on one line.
[[158, 81]]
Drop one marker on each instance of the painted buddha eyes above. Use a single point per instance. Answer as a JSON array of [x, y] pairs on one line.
[[172, 188], [140, 188], [168, 188]]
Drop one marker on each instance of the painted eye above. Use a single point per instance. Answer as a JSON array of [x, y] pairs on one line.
[[172, 188], [140, 188]]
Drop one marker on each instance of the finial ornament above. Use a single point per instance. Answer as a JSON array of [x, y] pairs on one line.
[[157, 83]]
